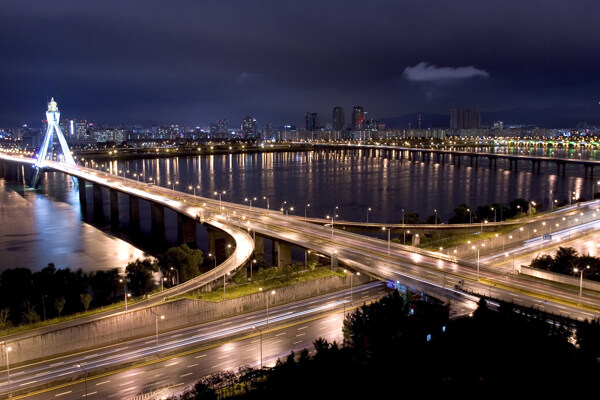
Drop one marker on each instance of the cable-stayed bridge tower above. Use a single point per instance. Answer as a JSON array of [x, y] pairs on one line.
[[53, 118]]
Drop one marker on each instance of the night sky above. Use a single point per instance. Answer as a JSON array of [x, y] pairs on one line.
[[196, 61]]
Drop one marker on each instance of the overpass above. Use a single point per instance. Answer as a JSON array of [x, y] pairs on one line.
[[378, 258]]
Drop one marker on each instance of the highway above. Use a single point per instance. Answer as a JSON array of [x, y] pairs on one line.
[[191, 352], [376, 257]]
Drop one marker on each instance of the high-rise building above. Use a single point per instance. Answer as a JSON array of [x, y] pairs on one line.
[[358, 117], [338, 119], [464, 118], [249, 128], [312, 121]]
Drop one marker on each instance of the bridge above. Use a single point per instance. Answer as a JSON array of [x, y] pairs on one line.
[[421, 269], [456, 156]]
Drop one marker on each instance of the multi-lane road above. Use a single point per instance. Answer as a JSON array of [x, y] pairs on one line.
[[185, 355]]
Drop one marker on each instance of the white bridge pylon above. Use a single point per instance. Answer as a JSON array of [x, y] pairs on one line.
[[53, 118]]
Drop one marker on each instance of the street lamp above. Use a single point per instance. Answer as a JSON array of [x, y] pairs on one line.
[[477, 247], [389, 237], [332, 222], [470, 216], [267, 199], [368, 210], [268, 296], [308, 205], [84, 377], [225, 276], [435, 211], [580, 281], [220, 201], [157, 316], [250, 200], [177, 272], [126, 294], [7, 350], [173, 185], [260, 333], [193, 188], [494, 210], [351, 276]]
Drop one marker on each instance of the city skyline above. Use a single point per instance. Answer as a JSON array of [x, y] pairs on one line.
[[198, 63]]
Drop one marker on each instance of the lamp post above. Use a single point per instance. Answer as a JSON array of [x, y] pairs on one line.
[[251, 266], [470, 216], [494, 209], [7, 350], [308, 205], [220, 199], [193, 188], [404, 240], [126, 294], [282, 205], [267, 199], [84, 378], [260, 334], [173, 185], [351, 286], [580, 281], [224, 282], [177, 272], [477, 247], [332, 222], [435, 211], [368, 210], [389, 237], [250, 200], [157, 316], [268, 296]]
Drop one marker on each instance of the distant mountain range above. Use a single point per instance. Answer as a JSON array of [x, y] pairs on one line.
[[554, 117]]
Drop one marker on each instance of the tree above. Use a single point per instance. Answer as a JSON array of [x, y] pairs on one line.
[[4, 321], [565, 260], [518, 206], [544, 262], [411, 218], [85, 300], [139, 276], [433, 219], [187, 261], [461, 215], [104, 285], [29, 314], [59, 304]]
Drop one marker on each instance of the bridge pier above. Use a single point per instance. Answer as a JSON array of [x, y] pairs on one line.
[[157, 213], [282, 254], [186, 230], [114, 209], [134, 215], [217, 243], [259, 245], [98, 211], [334, 261], [82, 194]]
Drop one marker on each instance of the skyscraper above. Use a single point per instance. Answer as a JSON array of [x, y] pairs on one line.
[[312, 121], [358, 117], [249, 128], [338, 119], [463, 118]]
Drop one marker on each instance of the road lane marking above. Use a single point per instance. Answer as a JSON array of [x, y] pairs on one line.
[[279, 334], [190, 366], [188, 374], [126, 383], [303, 327], [301, 334], [89, 394], [27, 383], [102, 383], [299, 341], [226, 355], [63, 393], [200, 356], [171, 364]]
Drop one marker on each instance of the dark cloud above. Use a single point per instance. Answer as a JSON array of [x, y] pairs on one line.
[[196, 61]]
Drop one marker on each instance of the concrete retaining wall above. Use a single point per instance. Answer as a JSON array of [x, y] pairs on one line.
[[555, 277], [178, 314]]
